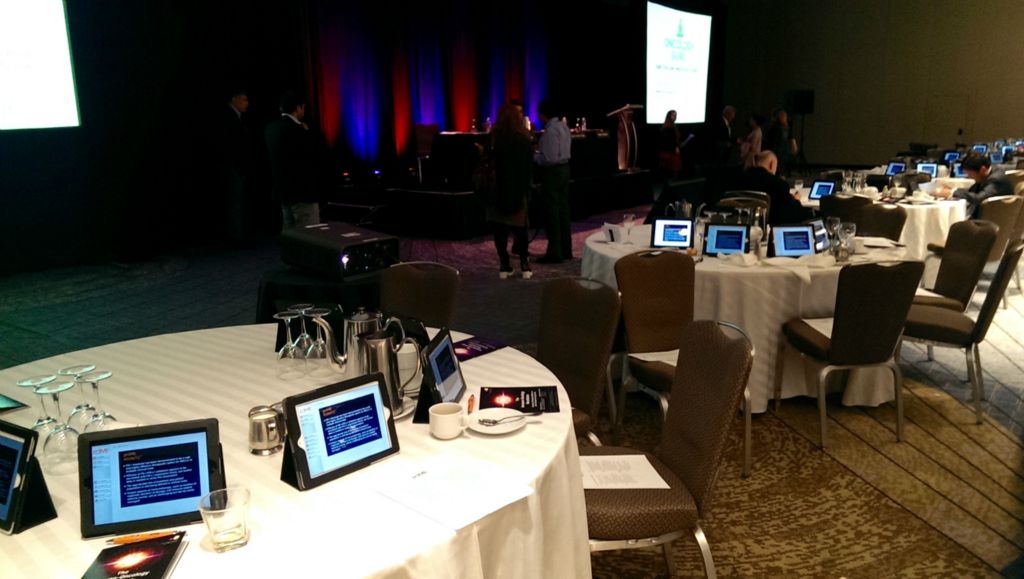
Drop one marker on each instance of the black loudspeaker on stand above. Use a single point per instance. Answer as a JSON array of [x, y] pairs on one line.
[[37, 507]]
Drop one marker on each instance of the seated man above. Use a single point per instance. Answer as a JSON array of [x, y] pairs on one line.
[[988, 182], [785, 207]]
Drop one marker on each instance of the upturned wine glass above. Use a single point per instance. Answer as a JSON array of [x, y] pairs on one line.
[[317, 356], [304, 341], [627, 224], [290, 363], [44, 422], [82, 413], [60, 450], [101, 419]]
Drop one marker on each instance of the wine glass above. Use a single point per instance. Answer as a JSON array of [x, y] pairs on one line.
[[304, 341], [627, 224], [290, 363], [101, 419], [44, 422], [82, 413], [317, 354], [60, 450], [832, 225]]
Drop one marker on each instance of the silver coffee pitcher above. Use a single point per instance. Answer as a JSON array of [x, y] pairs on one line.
[[346, 357], [380, 354], [266, 430]]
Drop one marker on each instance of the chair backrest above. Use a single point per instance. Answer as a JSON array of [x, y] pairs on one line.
[[882, 220], [578, 319], [744, 203], [872, 302], [747, 194], [424, 135], [711, 373], [843, 207], [963, 259], [424, 290], [657, 298], [1003, 211], [1007, 265]]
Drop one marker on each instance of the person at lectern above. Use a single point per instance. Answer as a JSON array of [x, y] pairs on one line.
[[507, 211], [292, 149], [552, 157]]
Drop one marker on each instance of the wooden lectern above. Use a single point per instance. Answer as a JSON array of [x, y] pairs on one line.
[[626, 136]]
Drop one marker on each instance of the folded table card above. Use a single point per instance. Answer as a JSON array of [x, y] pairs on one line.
[[624, 471], [613, 233]]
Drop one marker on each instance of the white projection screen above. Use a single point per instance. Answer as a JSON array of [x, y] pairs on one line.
[[678, 50], [37, 85]]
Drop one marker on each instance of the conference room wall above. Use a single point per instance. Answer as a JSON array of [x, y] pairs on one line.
[[884, 73]]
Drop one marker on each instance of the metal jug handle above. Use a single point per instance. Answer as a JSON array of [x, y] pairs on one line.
[[401, 332], [419, 365]]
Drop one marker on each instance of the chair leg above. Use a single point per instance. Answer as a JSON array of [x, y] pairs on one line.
[[780, 365], [613, 410], [746, 432], [1016, 275], [971, 370], [978, 375], [931, 353], [822, 412], [897, 382], [593, 438], [670, 562], [705, 551]]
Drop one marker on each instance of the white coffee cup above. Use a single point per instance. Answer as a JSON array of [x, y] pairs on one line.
[[447, 420]]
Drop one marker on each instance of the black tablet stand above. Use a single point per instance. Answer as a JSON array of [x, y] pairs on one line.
[[37, 506]]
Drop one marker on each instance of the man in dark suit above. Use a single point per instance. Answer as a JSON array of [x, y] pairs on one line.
[[292, 149], [235, 154], [725, 150], [988, 182], [784, 208]]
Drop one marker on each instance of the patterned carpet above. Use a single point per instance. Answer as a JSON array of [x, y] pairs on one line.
[[947, 502]]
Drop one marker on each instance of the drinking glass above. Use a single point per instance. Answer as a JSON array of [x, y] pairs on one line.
[[290, 364], [82, 413], [304, 341], [627, 224], [60, 451], [226, 514], [832, 225], [319, 360], [847, 230], [798, 185], [101, 419], [44, 422]]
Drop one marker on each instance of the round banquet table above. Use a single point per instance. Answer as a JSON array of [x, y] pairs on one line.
[[927, 222], [344, 528], [760, 299]]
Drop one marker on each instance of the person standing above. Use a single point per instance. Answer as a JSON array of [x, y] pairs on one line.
[[507, 211], [724, 142], [234, 148], [669, 161], [552, 157], [292, 149], [777, 140], [750, 146]]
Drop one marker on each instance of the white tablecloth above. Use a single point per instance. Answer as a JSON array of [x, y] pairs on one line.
[[760, 299], [344, 528], [926, 223]]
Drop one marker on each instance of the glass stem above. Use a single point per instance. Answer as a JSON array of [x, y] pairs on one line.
[[96, 393], [42, 407], [56, 404]]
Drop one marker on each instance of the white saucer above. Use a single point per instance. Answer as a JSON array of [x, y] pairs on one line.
[[496, 414]]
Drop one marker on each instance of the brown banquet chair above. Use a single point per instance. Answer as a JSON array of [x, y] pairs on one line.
[[881, 220], [872, 301], [710, 376], [846, 208], [424, 290], [937, 326], [578, 319], [1006, 212], [657, 302]]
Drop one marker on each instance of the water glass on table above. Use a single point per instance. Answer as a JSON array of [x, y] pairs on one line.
[[627, 225], [226, 514]]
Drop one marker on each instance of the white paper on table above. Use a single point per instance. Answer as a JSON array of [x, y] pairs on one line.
[[926, 292], [876, 242], [624, 471], [822, 325], [453, 491], [668, 356]]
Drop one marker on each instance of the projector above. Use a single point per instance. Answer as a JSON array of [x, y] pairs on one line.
[[338, 250]]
